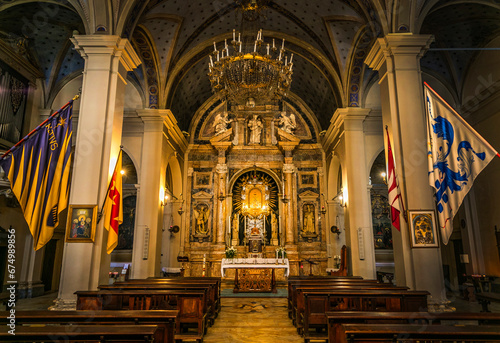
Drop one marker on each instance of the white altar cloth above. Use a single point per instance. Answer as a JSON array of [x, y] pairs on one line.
[[255, 263]]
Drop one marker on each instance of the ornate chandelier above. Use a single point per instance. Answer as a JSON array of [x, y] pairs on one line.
[[262, 75]]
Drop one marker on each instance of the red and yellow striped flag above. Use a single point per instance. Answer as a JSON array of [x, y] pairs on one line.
[[113, 206]]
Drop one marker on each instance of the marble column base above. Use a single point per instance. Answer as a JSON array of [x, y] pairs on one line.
[[63, 305]]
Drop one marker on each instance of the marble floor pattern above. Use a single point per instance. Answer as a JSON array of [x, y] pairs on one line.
[[262, 320]]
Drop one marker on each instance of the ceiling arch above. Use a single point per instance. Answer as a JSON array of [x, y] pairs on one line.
[[460, 28]]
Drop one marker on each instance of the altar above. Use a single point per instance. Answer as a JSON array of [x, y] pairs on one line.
[[254, 274]]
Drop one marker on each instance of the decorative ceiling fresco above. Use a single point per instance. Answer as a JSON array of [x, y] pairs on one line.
[[329, 40]]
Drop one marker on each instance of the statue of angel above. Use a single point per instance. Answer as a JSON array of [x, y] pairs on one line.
[[287, 123], [220, 122], [201, 216]]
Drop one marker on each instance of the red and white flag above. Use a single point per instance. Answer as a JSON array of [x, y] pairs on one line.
[[395, 199], [113, 206]]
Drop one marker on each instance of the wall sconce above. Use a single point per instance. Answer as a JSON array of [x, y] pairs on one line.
[[340, 198], [335, 229], [384, 177], [164, 201], [167, 198], [180, 211], [173, 229]]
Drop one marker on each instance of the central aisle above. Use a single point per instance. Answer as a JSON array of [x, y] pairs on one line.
[[243, 320]]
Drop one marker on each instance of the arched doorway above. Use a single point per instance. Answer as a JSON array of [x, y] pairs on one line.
[[381, 219]]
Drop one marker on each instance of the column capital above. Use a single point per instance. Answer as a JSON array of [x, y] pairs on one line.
[[103, 44], [351, 117], [288, 168], [221, 168], [397, 44]]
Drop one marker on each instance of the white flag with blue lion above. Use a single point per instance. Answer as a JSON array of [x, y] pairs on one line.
[[456, 155]]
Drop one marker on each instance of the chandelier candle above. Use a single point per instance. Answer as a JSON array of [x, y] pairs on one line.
[[238, 75]]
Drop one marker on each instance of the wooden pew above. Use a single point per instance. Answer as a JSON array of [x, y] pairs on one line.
[[299, 301], [401, 332], [214, 285], [82, 333], [208, 289], [191, 305], [337, 318], [292, 284], [296, 287], [164, 320], [318, 302], [197, 279]]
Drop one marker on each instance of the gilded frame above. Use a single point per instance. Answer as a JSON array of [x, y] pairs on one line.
[[81, 223], [423, 229]]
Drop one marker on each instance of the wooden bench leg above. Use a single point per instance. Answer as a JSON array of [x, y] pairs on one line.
[[484, 303]]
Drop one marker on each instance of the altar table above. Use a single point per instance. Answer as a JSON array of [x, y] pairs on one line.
[[254, 274]]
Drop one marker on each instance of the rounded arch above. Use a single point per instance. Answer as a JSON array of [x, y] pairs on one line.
[[269, 172], [175, 170]]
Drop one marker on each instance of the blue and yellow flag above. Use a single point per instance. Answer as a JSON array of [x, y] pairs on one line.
[[38, 171]]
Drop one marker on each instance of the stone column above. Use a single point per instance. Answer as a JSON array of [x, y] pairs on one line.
[[107, 61], [397, 59], [221, 170], [288, 170], [147, 250], [359, 234]]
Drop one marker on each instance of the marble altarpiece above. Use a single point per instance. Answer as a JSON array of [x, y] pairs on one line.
[[255, 182]]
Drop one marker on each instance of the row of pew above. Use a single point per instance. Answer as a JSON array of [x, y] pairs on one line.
[[164, 310], [351, 309]]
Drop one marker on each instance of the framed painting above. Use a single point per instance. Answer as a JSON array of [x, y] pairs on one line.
[[202, 180], [81, 224], [423, 230], [307, 179]]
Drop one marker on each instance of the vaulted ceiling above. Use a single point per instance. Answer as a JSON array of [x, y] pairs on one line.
[[329, 39]]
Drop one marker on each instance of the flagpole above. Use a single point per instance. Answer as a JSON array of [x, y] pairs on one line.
[[38, 127], [99, 215]]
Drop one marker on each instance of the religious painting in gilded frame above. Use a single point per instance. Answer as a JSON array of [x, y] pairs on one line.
[[202, 180], [307, 179], [81, 225], [423, 230]]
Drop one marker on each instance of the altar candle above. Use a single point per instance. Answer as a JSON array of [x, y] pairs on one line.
[[204, 261]]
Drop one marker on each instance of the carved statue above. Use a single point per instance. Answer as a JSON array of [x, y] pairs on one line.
[[220, 122], [201, 216], [308, 219], [274, 226], [287, 123], [255, 125], [235, 226]]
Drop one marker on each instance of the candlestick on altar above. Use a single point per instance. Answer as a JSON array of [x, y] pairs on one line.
[[204, 264]]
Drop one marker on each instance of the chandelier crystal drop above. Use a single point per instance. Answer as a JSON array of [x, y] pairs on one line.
[[264, 74]]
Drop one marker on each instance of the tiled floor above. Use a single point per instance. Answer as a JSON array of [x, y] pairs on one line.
[[244, 320]]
